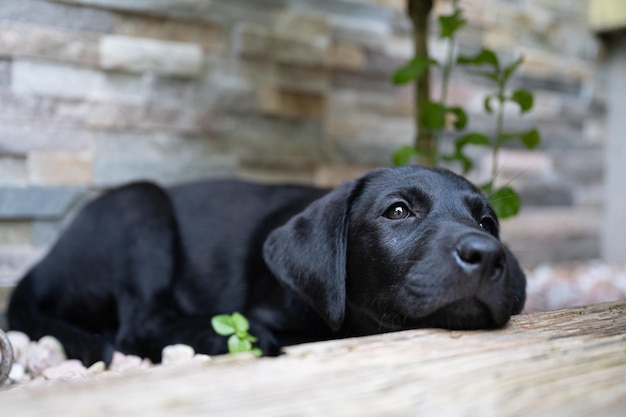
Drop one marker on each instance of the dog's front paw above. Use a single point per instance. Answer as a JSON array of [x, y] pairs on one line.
[[266, 342]]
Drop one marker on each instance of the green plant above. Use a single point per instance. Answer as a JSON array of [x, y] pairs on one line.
[[437, 116], [431, 115], [504, 200], [236, 326]]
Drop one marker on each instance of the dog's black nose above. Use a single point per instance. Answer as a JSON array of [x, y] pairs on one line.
[[480, 256]]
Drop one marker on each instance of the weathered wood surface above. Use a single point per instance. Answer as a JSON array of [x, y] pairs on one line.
[[563, 363]]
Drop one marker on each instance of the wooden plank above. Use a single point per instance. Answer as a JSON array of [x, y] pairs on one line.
[[563, 363]]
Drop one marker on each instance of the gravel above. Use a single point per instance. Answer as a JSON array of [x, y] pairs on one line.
[[44, 362], [552, 287]]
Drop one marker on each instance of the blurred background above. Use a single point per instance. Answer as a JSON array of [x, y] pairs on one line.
[[95, 93]]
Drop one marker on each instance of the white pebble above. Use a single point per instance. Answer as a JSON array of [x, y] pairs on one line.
[[52, 344], [68, 370], [123, 363], [17, 373], [20, 343], [44, 354], [176, 354], [201, 358], [97, 368]]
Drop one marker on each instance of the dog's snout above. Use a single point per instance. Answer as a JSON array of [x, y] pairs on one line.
[[480, 256]]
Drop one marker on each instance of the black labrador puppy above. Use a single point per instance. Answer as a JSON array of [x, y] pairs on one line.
[[143, 267]]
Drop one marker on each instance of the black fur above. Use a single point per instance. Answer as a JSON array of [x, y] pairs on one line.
[[143, 266]]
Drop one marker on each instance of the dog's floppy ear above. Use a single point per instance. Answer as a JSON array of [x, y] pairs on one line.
[[308, 254], [518, 282]]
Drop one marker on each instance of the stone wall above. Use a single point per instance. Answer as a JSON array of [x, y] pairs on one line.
[[98, 92]]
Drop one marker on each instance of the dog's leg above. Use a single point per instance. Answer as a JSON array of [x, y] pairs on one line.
[[160, 325]]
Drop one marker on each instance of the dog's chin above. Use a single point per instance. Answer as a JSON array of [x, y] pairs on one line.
[[465, 314]]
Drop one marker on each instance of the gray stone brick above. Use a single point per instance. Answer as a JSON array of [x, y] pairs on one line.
[[45, 233], [59, 80], [270, 141], [59, 44], [397, 104], [299, 52], [364, 128], [15, 232], [167, 90], [225, 12], [252, 40], [553, 234], [372, 36], [37, 202], [213, 38], [19, 139], [152, 146], [545, 194], [113, 171], [346, 56], [301, 79], [361, 82], [12, 171], [15, 260], [48, 13], [5, 73], [366, 11], [158, 7], [383, 64], [183, 114], [230, 12], [59, 168], [256, 130], [583, 167], [141, 55]]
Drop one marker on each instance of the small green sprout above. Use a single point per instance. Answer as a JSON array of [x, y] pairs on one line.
[[236, 326]]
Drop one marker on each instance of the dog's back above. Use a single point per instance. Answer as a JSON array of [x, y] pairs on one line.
[[194, 246]]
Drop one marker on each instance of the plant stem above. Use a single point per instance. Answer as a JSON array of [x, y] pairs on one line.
[[419, 13], [499, 133], [445, 83]]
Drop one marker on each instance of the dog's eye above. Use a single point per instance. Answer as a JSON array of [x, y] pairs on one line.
[[398, 211], [488, 225]]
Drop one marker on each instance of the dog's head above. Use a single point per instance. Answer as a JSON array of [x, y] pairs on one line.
[[400, 248]]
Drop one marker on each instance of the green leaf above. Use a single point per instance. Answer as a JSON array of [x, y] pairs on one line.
[[412, 70], [240, 322], [508, 71], [487, 104], [472, 139], [484, 57], [458, 156], [465, 161], [461, 142], [531, 139], [257, 352], [505, 202], [237, 345], [461, 117], [451, 23], [404, 154], [491, 76], [523, 98], [432, 115], [223, 324]]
